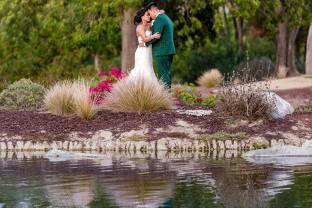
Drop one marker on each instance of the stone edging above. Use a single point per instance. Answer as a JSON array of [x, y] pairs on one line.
[[105, 141]]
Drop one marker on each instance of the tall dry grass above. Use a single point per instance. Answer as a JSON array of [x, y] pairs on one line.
[[84, 107], [59, 98], [211, 78], [69, 98], [246, 98], [138, 95]]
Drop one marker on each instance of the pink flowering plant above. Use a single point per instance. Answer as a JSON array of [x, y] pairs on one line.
[[192, 95], [104, 85]]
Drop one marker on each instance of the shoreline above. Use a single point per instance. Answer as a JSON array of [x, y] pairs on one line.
[[171, 131]]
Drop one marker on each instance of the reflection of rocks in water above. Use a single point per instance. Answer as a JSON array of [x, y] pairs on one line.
[[287, 155]]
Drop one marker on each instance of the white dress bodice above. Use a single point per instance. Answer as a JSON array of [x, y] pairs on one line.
[[148, 33]]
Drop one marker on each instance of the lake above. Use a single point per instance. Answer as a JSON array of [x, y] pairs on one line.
[[61, 179]]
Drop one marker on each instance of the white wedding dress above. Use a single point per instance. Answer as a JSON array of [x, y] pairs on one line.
[[143, 67]]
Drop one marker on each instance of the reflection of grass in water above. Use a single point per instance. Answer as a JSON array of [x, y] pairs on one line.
[[138, 186], [299, 193], [193, 194], [143, 185], [100, 198]]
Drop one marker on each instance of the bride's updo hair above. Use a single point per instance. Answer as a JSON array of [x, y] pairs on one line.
[[138, 17]]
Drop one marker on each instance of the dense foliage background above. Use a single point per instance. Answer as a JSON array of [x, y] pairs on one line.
[[49, 40]]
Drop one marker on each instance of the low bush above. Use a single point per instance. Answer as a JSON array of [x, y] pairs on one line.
[[246, 100], [23, 94], [137, 95], [211, 78], [192, 95]]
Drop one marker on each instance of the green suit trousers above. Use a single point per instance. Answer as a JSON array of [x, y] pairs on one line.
[[164, 69]]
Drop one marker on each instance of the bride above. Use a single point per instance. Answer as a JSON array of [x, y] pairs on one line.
[[143, 67]]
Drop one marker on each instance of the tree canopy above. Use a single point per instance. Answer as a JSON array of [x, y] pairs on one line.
[[48, 40]]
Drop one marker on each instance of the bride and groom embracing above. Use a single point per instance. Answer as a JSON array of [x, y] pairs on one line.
[[156, 40]]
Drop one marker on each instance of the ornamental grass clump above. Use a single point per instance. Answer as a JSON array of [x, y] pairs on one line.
[[23, 94], [246, 99], [138, 95], [59, 99], [84, 106], [70, 98], [211, 78]]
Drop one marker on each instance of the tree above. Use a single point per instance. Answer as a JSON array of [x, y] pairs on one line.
[[286, 18], [309, 52], [126, 9], [240, 12], [129, 39]]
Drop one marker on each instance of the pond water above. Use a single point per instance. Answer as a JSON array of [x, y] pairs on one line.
[[167, 180]]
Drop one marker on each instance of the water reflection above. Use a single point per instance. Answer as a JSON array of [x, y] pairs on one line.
[[154, 180]]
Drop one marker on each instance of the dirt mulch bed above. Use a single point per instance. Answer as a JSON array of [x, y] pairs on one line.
[[32, 124], [45, 126], [297, 97]]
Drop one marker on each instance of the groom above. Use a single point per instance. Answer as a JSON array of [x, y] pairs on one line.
[[163, 48]]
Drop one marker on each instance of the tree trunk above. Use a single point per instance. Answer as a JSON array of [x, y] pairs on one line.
[[308, 66], [238, 23], [291, 53], [98, 63], [129, 40], [281, 51], [226, 24]]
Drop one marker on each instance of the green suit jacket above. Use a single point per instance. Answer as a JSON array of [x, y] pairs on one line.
[[165, 45]]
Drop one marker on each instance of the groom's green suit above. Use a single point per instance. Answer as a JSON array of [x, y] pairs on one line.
[[163, 48]]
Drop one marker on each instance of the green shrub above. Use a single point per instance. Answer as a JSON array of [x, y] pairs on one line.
[[257, 69], [192, 95], [23, 94], [222, 53]]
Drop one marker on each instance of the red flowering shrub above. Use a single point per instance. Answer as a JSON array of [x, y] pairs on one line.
[[105, 84]]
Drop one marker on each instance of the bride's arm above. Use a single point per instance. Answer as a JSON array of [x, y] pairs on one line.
[[141, 32]]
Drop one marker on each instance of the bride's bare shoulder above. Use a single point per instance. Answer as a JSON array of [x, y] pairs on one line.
[[139, 28]]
